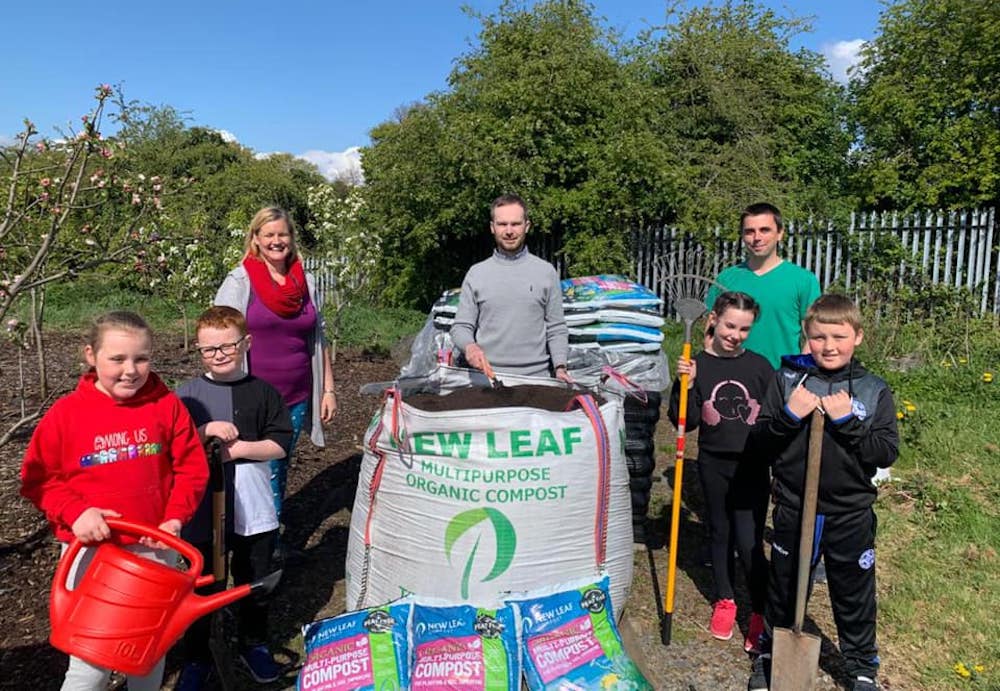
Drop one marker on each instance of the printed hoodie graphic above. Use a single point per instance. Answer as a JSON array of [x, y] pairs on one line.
[[730, 400]]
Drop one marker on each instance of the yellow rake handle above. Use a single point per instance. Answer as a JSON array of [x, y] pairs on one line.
[[675, 507]]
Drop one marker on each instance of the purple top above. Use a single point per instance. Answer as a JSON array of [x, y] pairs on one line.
[[279, 353]]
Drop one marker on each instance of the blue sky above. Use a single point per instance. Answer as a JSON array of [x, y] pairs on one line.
[[306, 77]]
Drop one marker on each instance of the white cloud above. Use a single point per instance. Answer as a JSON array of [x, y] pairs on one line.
[[841, 56], [337, 165], [227, 136]]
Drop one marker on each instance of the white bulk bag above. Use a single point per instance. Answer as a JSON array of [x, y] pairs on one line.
[[471, 505]]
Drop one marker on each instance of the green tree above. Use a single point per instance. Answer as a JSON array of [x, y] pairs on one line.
[[346, 246], [543, 107], [71, 205], [754, 120], [926, 103]]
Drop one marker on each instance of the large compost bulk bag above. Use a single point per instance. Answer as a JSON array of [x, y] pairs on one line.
[[471, 504]]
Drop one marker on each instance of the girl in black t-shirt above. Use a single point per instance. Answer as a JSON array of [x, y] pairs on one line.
[[726, 386]]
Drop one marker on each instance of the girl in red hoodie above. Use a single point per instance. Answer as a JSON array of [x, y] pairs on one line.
[[123, 445]]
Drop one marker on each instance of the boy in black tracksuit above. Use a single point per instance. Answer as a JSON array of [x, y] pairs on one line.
[[860, 436]]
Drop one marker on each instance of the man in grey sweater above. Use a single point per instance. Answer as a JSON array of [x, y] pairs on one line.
[[510, 309]]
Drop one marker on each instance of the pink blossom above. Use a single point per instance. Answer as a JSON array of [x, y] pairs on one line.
[[136, 199], [41, 146], [45, 182], [106, 152], [44, 196]]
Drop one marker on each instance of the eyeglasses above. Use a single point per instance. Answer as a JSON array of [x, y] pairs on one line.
[[224, 348]]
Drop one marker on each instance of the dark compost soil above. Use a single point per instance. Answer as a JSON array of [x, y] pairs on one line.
[[322, 483]]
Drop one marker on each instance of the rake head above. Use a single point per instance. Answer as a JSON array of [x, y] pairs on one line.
[[686, 281]]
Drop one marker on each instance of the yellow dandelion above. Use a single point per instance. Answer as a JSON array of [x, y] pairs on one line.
[[962, 671], [962, 361], [987, 377], [899, 415], [946, 363], [978, 669], [910, 407]]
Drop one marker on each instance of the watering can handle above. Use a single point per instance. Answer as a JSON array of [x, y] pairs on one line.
[[186, 549], [121, 525]]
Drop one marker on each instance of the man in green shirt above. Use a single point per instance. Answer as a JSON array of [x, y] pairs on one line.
[[783, 289]]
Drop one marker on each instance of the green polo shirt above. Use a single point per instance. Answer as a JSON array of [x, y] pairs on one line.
[[784, 294]]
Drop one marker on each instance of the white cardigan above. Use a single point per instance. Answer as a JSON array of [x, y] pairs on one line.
[[235, 292]]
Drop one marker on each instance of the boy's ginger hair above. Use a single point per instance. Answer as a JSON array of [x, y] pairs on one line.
[[833, 308], [221, 317]]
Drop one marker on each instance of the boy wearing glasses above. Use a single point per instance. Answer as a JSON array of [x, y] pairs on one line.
[[248, 415]]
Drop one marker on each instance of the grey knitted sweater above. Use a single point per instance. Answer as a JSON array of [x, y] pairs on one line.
[[512, 307]]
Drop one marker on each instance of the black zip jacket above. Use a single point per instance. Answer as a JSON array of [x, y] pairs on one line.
[[853, 448]]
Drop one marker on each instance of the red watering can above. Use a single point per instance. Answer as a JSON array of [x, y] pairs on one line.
[[127, 611]]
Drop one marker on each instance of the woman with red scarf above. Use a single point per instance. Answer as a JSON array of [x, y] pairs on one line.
[[289, 349]]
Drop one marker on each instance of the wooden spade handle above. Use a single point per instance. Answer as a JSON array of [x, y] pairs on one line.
[[808, 528]]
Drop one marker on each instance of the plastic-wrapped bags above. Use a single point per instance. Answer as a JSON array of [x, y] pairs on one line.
[[615, 316], [602, 332], [358, 651], [570, 641], [597, 292], [463, 648]]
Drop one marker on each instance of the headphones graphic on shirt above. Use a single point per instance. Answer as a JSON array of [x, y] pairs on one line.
[[729, 400]]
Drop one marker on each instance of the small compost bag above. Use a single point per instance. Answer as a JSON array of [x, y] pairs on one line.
[[358, 651], [598, 292], [463, 648], [467, 504], [570, 641]]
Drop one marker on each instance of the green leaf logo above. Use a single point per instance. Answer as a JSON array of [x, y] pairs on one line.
[[505, 535]]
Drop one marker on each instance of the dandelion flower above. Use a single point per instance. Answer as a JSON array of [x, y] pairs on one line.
[[978, 669], [899, 415], [910, 407], [945, 363], [962, 671], [987, 377], [962, 360]]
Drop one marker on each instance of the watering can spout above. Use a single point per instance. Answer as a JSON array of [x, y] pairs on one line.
[[267, 583], [197, 606]]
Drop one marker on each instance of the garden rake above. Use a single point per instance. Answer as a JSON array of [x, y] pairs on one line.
[[684, 283]]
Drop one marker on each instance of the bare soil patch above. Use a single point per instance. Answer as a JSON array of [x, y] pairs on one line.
[[322, 483]]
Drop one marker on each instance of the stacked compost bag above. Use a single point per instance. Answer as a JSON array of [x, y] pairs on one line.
[[616, 322]]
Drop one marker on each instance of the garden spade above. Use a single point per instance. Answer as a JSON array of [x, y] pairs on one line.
[[795, 655], [218, 641]]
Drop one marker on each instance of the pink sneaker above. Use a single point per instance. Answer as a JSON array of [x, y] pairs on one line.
[[723, 618], [752, 642]]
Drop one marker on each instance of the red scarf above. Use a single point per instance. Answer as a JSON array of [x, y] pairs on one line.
[[284, 300]]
